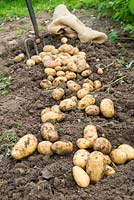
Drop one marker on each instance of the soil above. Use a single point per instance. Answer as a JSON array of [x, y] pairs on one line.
[[40, 177]]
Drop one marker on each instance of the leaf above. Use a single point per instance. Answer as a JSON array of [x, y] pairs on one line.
[[131, 6]]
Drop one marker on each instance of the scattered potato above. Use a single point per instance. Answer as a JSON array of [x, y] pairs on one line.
[[90, 133], [37, 59], [52, 115], [92, 110], [86, 101], [50, 72], [68, 104], [48, 48], [70, 75], [62, 147], [88, 81], [58, 68], [60, 73], [88, 86], [81, 65], [71, 66], [128, 150], [82, 92], [49, 132], [30, 62], [86, 73], [58, 93], [45, 84], [50, 78], [107, 160], [81, 177], [55, 108], [19, 57], [97, 84], [103, 145], [59, 80], [44, 147], [80, 158], [118, 156], [64, 40], [73, 86], [24, 147], [100, 71], [95, 167], [83, 143], [109, 171], [107, 108]]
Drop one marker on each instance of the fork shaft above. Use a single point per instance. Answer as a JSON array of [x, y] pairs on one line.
[[33, 18]]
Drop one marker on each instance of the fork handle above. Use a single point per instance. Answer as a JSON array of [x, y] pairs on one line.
[[32, 17]]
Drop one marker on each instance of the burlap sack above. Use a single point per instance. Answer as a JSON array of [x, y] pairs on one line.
[[65, 22]]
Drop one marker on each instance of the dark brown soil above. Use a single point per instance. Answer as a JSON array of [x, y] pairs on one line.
[[39, 177]]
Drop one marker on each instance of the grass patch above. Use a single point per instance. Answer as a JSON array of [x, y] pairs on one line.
[[5, 81], [21, 31], [7, 141]]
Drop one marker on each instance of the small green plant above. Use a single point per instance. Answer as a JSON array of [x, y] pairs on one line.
[[113, 37], [130, 65], [120, 78], [5, 81], [121, 60], [19, 124], [21, 31], [7, 141]]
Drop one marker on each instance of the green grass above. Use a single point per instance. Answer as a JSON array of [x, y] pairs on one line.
[[5, 81], [17, 8]]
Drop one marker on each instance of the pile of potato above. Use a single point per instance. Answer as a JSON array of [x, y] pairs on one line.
[[95, 155], [91, 166]]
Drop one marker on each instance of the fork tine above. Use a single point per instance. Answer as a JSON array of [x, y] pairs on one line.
[[26, 45]]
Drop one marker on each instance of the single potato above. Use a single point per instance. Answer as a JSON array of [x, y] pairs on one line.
[[80, 158], [30, 63], [45, 84], [60, 73], [49, 132], [62, 147], [24, 147], [58, 93], [37, 59], [118, 156], [68, 104], [107, 108], [44, 147], [73, 86], [70, 75], [83, 143], [109, 171], [97, 84], [82, 92], [48, 48], [19, 57], [86, 101], [88, 86], [50, 72], [59, 80], [86, 73], [103, 145], [92, 110], [81, 177], [128, 150]]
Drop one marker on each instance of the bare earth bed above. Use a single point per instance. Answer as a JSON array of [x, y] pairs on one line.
[[39, 177]]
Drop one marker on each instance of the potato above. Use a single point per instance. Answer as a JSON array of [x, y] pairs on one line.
[[55, 108], [59, 80], [109, 171], [128, 150], [81, 65], [88, 81], [58, 93], [118, 156], [62, 147], [60, 73], [100, 71], [42, 54], [66, 48], [86, 73], [107, 108], [107, 159], [83, 143], [90, 133], [51, 63], [80, 158], [103, 145], [44, 147], [30, 62], [55, 51], [81, 177], [19, 57], [73, 86], [45, 84], [97, 84], [92, 110], [50, 72], [71, 66], [58, 68], [95, 167], [70, 75], [49, 132], [52, 115], [75, 50], [86, 101], [64, 40], [82, 54], [82, 92], [50, 78], [64, 68], [88, 86], [24, 147], [67, 104], [48, 48], [37, 59]]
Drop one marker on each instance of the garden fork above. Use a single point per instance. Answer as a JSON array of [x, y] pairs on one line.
[[36, 31]]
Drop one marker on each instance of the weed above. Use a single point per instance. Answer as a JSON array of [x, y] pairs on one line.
[[113, 37], [7, 141], [120, 78], [130, 65], [121, 60], [21, 31], [19, 124], [5, 81]]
